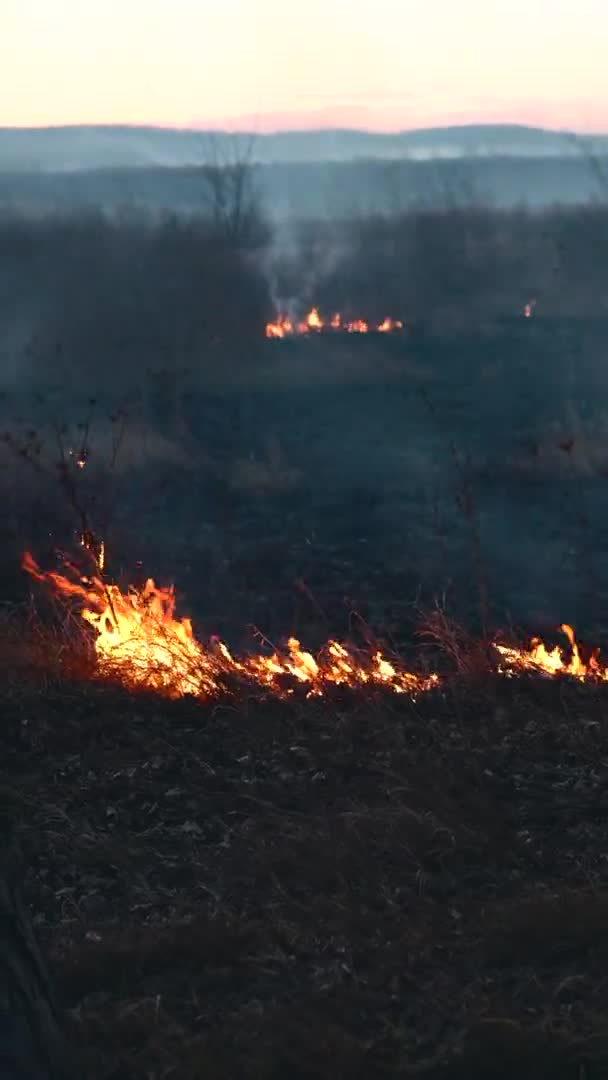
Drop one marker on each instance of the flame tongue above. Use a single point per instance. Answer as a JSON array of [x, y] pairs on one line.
[[552, 661], [138, 635]]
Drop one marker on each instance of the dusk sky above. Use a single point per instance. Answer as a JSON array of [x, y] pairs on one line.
[[378, 64]]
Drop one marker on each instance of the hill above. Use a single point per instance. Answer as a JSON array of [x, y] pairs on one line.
[[74, 148]]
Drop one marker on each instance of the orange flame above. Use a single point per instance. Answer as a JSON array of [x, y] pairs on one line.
[[552, 661], [140, 642], [279, 329], [313, 322], [389, 325]]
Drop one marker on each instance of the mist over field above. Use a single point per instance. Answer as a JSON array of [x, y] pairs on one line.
[[299, 174]]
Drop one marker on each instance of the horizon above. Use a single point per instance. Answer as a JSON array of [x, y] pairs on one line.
[[229, 128], [395, 67]]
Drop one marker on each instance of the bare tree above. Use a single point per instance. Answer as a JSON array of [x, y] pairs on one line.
[[596, 163], [232, 195]]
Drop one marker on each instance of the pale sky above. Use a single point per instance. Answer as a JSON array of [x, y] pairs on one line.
[[381, 64]]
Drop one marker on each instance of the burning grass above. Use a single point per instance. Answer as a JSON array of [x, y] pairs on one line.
[[314, 323], [139, 642]]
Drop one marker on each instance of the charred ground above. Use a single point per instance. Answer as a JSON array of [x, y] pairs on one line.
[[349, 887], [334, 477]]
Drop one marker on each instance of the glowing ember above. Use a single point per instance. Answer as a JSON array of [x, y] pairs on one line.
[[140, 642], [314, 323]]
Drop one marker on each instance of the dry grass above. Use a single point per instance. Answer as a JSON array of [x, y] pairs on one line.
[[129, 445], [333, 363], [33, 649], [569, 446], [266, 475]]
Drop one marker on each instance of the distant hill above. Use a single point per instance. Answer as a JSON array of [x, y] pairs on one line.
[[81, 148], [319, 190]]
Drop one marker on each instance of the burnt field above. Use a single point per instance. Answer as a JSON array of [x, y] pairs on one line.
[[357, 884], [354, 887], [338, 479]]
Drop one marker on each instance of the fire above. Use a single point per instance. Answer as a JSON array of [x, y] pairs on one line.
[[140, 642], [137, 636], [283, 326], [313, 321], [387, 326], [552, 661]]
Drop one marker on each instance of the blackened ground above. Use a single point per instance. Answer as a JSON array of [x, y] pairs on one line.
[[338, 476], [349, 887]]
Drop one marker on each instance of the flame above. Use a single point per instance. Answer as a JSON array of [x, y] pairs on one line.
[[281, 328], [95, 548], [140, 642], [387, 326], [313, 322], [552, 661]]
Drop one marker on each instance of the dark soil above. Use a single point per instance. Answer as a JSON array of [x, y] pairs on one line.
[[349, 887]]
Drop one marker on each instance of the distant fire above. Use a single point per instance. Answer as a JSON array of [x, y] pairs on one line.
[[140, 642], [312, 323]]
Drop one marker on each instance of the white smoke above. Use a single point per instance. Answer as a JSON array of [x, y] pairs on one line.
[[297, 265]]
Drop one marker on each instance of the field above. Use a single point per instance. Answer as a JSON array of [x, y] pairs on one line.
[[343, 477], [359, 884]]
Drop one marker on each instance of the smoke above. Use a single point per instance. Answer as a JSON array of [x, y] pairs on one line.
[[302, 256]]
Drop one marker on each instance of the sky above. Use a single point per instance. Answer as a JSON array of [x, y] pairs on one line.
[[382, 65]]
